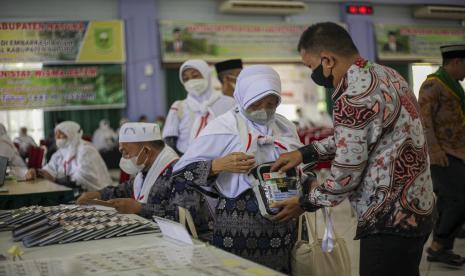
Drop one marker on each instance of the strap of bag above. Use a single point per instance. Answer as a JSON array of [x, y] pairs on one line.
[[243, 130], [312, 230], [185, 216], [329, 234]]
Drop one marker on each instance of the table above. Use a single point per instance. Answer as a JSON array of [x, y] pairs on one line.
[[223, 263], [36, 192]]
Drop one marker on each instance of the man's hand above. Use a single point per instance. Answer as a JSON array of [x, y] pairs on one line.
[[46, 175], [87, 196], [126, 205], [290, 209], [287, 161]]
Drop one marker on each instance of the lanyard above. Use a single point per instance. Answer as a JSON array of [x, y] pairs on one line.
[[67, 163]]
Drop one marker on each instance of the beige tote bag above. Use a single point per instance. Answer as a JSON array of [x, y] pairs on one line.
[[319, 257]]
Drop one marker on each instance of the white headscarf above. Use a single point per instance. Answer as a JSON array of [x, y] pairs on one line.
[[222, 136], [4, 135], [204, 102], [205, 71], [78, 159], [73, 132]]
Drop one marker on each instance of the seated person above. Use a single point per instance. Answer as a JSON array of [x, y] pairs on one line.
[[24, 141], [17, 166], [76, 163], [104, 138], [220, 158], [151, 192]]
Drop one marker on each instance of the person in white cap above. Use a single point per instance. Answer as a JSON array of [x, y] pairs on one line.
[[188, 117], [151, 192], [76, 163]]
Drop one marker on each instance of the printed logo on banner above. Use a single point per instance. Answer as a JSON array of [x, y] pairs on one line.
[[103, 38]]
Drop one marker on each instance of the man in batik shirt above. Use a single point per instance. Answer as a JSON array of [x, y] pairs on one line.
[[442, 102], [380, 161]]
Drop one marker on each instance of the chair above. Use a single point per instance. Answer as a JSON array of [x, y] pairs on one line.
[[35, 157]]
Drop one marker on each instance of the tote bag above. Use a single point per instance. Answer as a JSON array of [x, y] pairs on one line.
[[319, 257]]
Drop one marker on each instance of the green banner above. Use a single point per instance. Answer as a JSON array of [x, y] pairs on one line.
[[396, 42], [219, 41], [62, 42], [65, 87]]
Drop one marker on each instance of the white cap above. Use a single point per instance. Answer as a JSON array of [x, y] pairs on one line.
[[139, 132]]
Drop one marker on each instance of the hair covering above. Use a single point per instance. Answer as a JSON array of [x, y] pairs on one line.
[[2, 130], [228, 65], [204, 70], [79, 160], [224, 135], [256, 82], [104, 137], [453, 51], [8, 150], [139, 132]]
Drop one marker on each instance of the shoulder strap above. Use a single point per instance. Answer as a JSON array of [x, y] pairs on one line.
[[185, 216], [243, 130]]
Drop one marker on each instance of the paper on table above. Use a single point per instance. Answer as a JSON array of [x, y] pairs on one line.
[[174, 230], [22, 268]]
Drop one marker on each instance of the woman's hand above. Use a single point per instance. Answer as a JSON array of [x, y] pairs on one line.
[[236, 162]]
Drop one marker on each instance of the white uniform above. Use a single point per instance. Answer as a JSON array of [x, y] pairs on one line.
[[104, 137], [24, 142], [78, 159], [7, 149], [188, 117]]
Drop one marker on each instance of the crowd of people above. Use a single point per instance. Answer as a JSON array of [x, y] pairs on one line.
[[397, 160]]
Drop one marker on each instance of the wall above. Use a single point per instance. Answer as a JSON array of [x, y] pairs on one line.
[[58, 10]]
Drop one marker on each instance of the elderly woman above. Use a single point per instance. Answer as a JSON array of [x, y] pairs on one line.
[[7, 149], [76, 163], [188, 117], [219, 159]]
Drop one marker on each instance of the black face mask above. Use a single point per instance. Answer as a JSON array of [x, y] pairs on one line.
[[319, 78]]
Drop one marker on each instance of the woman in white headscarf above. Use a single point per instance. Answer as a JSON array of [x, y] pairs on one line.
[[76, 163], [188, 117], [104, 138], [7, 149], [219, 159]]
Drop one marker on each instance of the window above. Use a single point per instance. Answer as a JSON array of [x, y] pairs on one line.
[[33, 119]]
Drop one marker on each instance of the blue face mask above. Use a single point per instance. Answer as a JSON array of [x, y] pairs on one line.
[[319, 78]]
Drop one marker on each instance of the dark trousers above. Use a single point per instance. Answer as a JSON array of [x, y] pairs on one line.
[[384, 254], [449, 186]]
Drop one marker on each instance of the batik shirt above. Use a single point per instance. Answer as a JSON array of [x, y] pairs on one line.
[[164, 198], [443, 120], [379, 154]]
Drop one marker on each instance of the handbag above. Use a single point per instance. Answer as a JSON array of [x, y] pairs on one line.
[[319, 257]]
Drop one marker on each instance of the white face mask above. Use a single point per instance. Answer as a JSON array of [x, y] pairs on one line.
[[196, 86], [130, 166], [261, 116], [61, 143]]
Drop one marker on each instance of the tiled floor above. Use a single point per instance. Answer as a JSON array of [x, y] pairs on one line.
[[345, 226]]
